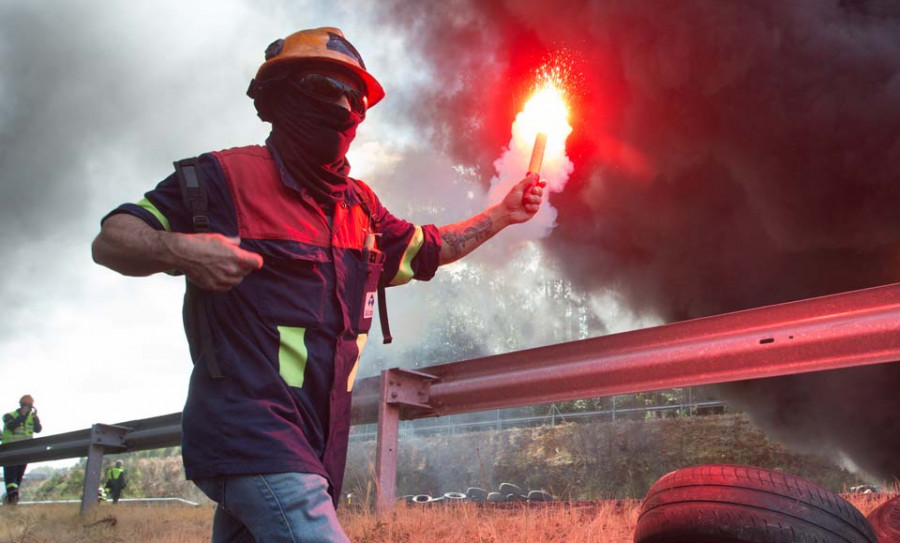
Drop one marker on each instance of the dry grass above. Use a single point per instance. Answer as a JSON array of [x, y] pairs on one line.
[[108, 524], [600, 522], [866, 503]]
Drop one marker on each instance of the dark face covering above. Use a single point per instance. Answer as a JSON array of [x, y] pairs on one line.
[[313, 136]]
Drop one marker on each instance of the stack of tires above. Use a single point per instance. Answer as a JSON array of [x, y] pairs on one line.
[[507, 492]]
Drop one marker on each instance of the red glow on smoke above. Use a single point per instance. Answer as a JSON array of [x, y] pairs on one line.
[[595, 94]]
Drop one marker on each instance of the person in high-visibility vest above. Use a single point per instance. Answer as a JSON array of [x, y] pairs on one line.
[[115, 481], [18, 425]]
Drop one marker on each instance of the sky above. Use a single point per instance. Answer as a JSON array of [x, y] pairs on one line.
[[725, 155]]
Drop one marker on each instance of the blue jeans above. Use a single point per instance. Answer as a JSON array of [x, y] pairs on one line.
[[272, 508]]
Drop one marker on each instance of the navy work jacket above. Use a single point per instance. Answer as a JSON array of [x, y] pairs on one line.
[[288, 338]]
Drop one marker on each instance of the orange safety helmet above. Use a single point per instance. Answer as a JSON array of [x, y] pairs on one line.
[[309, 47]]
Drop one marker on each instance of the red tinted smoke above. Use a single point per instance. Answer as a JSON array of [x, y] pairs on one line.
[[727, 155]]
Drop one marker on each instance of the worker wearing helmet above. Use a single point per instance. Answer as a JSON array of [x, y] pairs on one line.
[[115, 481], [18, 425], [285, 255]]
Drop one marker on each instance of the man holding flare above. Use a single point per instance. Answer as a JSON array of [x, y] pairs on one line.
[[284, 255]]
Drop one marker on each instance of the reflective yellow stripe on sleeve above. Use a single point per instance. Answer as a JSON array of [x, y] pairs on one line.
[[405, 271], [148, 205]]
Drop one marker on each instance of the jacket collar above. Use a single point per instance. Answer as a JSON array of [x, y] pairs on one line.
[[351, 197]]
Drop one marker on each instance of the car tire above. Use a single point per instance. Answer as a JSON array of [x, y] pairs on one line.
[[744, 504], [422, 498], [885, 521], [509, 488], [539, 496], [476, 494]]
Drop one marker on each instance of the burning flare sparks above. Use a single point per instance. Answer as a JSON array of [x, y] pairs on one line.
[[543, 124], [545, 112]]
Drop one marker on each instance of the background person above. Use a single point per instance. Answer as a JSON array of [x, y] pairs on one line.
[[115, 481], [18, 425]]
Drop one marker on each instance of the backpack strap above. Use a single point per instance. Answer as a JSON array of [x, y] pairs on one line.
[[193, 193], [367, 203]]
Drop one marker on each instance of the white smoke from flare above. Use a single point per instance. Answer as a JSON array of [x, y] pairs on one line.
[[546, 112]]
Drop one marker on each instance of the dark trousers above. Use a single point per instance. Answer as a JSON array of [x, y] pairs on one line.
[[115, 492], [12, 476]]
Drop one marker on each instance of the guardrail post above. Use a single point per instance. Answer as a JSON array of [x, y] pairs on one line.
[[104, 437], [399, 388]]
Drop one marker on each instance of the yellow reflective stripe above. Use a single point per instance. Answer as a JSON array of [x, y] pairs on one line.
[[292, 355], [405, 272], [148, 205], [360, 345]]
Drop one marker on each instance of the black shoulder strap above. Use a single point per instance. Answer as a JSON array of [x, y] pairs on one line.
[[383, 316], [365, 200], [193, 192]]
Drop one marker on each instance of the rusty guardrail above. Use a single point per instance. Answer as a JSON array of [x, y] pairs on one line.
[[839, 331], [831, 332]]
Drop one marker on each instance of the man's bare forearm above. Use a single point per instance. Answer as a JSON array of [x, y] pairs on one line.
[[519, 205], [460, 239], [128, 245]]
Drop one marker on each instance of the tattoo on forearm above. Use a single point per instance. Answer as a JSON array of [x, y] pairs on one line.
[[457, 239]]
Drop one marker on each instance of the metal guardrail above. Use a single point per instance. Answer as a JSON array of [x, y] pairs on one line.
[[130, 436], [141, 435], [831, 332]]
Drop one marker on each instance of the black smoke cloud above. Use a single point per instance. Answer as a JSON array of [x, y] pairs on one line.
[[727, 155]]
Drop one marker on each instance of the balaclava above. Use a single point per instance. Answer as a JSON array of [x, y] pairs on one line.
[[312, 136]]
